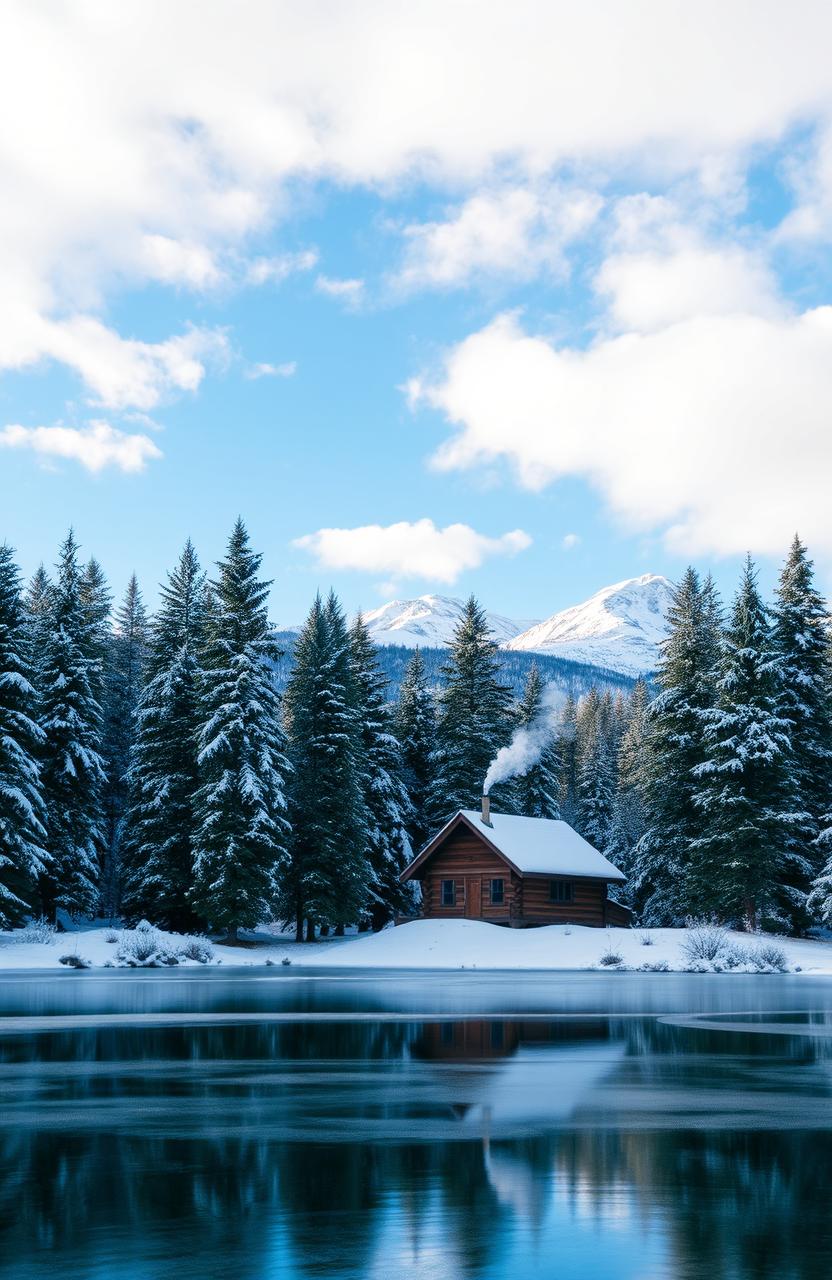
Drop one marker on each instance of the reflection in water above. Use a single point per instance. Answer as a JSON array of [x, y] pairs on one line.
[[624, 1145]]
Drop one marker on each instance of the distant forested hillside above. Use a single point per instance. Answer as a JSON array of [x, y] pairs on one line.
[[573, 677]]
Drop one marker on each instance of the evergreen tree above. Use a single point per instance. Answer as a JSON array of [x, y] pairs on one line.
[[39, 607], [629, 814], [385, 798], [687, 677], [820, 901], [96, 604], [535, 792], [801, 638], [72, 773], [474, 718], [416, 731], [596, 783], [329, 873], [22, 815], [240, 843], [124, 681], [158, 845], [567, 746], [743, 859]]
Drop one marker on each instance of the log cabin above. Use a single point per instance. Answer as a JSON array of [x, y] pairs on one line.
[[514, 871]]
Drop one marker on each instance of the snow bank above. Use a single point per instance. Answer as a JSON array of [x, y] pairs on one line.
[[454, 944], [100, 947], [437, 944]]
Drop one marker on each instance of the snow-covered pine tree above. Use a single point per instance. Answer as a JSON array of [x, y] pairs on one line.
[[72, 771], [242, 831], [687, 676], [567, 747], [22, 815], [416, 730], [158, 843], [96, 603], [474, 718], [596, 777], [385, 797], [820, 901], [743, 860], [326, 882], [124, 678], [38, 605], [628, 820], [535, 792], [801, 640]]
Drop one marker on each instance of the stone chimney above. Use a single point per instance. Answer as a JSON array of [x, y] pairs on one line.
[[486, 811]]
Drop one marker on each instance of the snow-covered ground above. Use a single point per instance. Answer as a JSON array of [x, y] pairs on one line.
[[443, 944]]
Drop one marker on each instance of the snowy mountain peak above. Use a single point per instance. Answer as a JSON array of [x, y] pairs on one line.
[[430, 622], [620, 627]]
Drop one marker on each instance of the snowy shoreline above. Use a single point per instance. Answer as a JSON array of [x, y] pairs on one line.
[[444, 945]]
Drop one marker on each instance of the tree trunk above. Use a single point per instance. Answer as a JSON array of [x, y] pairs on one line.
[[231, 935], [310, 930], [338, 931]]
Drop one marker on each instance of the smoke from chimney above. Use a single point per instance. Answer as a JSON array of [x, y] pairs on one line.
[[528, 743]]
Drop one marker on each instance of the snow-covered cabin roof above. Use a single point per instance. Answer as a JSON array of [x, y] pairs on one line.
[[534, 846]]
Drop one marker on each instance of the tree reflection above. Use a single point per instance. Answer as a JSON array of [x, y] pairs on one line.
[[347, 1148]]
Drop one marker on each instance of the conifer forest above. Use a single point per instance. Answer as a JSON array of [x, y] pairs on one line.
[[153, 767]]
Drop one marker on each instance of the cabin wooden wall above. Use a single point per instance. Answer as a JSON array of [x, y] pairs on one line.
[[587, 906], [464, 857]]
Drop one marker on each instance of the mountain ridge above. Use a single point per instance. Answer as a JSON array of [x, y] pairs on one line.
[[619, 627]]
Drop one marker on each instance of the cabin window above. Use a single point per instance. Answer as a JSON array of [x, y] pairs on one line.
[[448, 893], [561, 891], [498, 893]]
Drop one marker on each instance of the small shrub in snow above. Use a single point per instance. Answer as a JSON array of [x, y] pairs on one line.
[[768, 959], [646, 939], [74, 961], [112, 935], [144, 926], [705, 940], [655, 966], [733, 956], [138, 946], [285, 960], [610, 958], [40, 930], [196, 948]]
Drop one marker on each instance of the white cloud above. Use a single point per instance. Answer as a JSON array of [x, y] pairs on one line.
[[348, 291], [570, 540], [276, 269], [95, 446], [178, 262], [516, 231], [134, 157], [649, 291], [124, 373], [410, 550], [265, 370], [714, 430]]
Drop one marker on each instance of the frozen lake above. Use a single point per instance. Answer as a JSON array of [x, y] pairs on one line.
[[276, 1123]]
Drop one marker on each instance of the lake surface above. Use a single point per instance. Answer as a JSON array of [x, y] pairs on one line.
[[268, 1123]]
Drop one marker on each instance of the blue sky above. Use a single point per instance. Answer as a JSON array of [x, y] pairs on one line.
[[487, 298]]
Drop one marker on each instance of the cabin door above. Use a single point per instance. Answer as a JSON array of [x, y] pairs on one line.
[[473, 897]]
